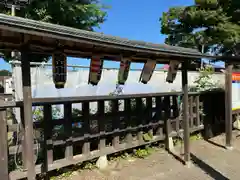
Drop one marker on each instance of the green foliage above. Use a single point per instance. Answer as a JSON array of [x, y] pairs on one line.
[[212, 23], [76, 112], [81, 14], [204, 81], [142, 153], [38, 113], [56, 114], [5, 73], [193, 137], [147, 137], [67, 172]]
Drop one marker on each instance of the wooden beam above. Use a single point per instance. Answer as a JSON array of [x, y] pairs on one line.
[[186, 134], [28, 121], [228, 105], [7, 104], [3, 145], [82, 52]]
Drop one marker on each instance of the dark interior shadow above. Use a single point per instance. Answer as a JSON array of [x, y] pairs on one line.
[[214, 113], [215, 144], [208, 169]]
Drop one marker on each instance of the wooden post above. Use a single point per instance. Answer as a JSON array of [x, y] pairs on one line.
[[48, 145], [228, 105], [28, 120], [127, 114], [116, 124], [3, 145], [68, 131], [86, 128], [101, 123], [167, 124], [186, 136]]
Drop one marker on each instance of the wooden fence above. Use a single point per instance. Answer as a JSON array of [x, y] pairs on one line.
[[102, 125]]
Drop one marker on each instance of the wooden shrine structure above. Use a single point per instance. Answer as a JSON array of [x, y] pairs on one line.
[[34, 37]]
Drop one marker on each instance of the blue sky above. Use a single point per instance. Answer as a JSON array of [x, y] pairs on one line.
[[133, 19]]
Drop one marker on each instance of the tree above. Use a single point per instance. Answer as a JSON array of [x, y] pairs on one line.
[[81, 14], [208, 25], [5, 73]]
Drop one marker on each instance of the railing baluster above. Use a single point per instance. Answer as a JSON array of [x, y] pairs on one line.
[[149, 114], [191, 112], [159, 130], [48, 144], [86, 128], [168, 125], [127, 119], [140, 119], [68, 130], [116, 123], [47, 114], [197, 111], [167, 120], [101, 125], [176, 112]]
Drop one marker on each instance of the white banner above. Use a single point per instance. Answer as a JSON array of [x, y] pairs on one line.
[[77, 83]]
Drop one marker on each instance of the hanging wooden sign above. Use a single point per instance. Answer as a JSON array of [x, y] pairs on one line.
[[59, 69], [172, 71], [123, 71], [95, 71], [147, 71]]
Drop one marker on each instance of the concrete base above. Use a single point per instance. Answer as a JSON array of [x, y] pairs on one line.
[[229, 148], [188, 164], [102, 162], [170, 144], [236, 124]]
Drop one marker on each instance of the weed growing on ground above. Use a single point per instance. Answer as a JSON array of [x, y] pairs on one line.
[[140, 152]]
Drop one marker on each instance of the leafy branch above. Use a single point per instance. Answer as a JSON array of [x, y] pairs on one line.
[[205, 82]]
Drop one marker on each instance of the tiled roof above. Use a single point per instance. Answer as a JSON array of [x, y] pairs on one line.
[[27, 24]]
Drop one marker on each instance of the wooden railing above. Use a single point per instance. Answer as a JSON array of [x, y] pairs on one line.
[[103, 125]]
